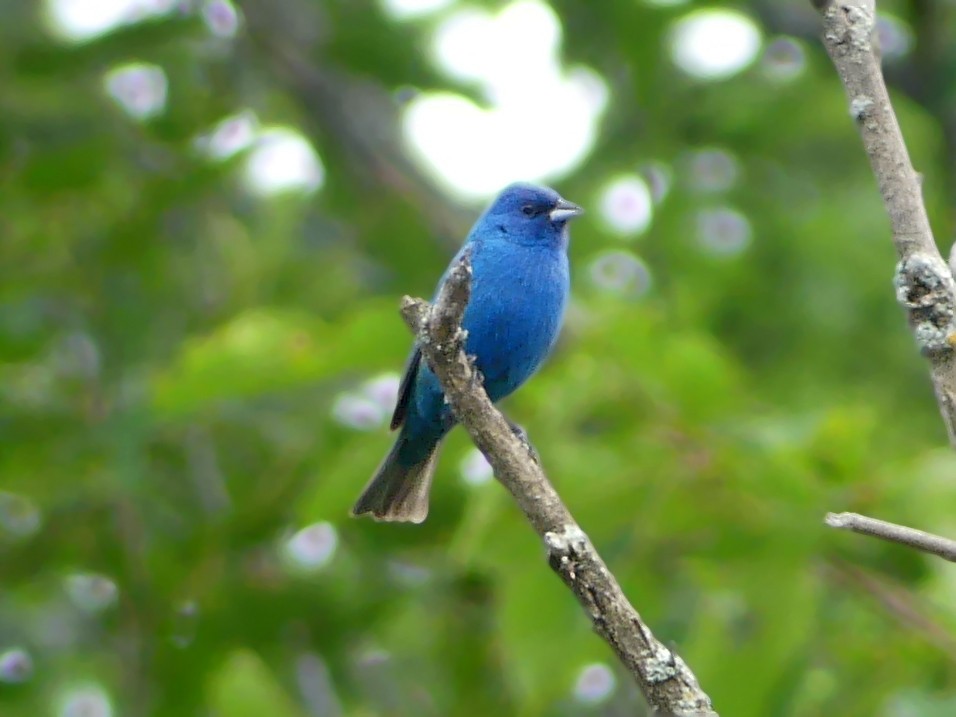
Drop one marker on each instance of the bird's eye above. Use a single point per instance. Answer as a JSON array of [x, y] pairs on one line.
[[528, 210]]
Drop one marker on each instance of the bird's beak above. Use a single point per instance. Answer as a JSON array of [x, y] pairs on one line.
[[564, 210]]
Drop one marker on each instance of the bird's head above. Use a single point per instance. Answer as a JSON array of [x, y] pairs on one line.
[[529, 213]]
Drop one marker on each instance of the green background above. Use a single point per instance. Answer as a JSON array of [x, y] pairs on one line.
[[173, 349]]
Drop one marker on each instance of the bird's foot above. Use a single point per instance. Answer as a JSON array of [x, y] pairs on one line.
[[522, 436], [477, 379]]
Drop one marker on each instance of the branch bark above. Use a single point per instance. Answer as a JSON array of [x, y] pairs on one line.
[[666, 681], [926, 542], [924, 282]]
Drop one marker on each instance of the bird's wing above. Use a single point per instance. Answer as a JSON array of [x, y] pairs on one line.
[[405, 388]]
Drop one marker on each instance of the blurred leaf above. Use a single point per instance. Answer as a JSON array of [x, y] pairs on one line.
[[244, 686], [269, 350]]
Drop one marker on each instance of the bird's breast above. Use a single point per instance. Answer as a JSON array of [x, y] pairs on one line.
[[515, 312]]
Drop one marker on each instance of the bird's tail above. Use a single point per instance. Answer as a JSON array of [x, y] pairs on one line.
[[399, 492]]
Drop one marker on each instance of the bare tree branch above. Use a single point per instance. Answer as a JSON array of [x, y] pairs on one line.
[[927, 542], [353, 115], [901, 603], [665, 680], [924, 282]]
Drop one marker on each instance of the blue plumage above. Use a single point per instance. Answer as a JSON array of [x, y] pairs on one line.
[[518, 295]]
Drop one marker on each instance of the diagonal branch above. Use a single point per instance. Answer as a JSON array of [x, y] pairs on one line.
[[665, 680], [927, 542], [924, 283], [899, 602], [353, 116]]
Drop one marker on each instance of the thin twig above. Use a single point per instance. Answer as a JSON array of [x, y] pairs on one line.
[[927, 542], [907, 607], [924, 282], [347, 115], [664, 678]]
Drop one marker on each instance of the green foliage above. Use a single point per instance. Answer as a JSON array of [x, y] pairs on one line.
[[176, 353]]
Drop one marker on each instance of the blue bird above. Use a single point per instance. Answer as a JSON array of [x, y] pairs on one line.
[[519, 290]]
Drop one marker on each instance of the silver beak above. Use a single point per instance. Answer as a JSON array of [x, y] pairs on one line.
[[564, 210]]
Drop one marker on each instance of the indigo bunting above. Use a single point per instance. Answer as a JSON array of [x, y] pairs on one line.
[[519, 289]]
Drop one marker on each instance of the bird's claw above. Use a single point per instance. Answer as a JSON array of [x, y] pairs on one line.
[[477, 379], [522, 436]]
